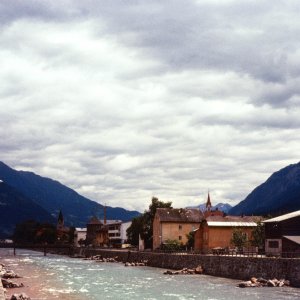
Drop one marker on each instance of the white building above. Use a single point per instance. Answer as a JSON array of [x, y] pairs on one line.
[[124, 227], [117, 231], [79, 234]]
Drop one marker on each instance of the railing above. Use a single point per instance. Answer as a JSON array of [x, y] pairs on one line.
[[44, 247], [245, 252]]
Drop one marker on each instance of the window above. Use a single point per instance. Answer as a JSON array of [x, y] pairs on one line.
[[180, 227], [180, 238], [273, 244]]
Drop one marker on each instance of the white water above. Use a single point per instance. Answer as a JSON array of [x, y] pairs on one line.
[[59, 277]]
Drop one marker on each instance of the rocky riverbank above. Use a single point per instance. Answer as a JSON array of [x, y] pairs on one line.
[[6, 278], [262, 282]]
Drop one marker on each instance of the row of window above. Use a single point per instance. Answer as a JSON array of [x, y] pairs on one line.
[[113, 234]]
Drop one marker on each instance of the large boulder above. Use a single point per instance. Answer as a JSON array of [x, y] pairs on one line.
[[10, 274], [21, 296], [199, 270], [9, 284]]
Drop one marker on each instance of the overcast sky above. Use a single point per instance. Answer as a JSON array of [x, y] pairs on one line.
[[125, 100]]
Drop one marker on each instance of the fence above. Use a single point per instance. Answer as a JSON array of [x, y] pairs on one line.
[[244, 252]]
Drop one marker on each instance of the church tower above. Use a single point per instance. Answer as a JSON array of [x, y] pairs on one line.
[[60, 222], [208, 203]]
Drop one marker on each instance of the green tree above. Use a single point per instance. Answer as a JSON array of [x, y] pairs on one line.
[[172, 245], [135, 230], [258, 235], [190, 239], [143, 224], [239, 238]]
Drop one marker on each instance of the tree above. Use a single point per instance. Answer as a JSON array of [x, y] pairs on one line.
[[258, 235], [172, 245], [135, 230], [34, 232], [143, 225], [190, 239], [239, 238]]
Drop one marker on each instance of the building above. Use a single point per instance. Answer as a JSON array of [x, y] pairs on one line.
[[123, 231], [174, 224], [282, 234], [117, 232], [79, 236], [62, 231], [97, 233], [114, 232], [216, 231]]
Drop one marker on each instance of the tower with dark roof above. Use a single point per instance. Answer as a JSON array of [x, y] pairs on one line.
[[60, 221], [208, 203]]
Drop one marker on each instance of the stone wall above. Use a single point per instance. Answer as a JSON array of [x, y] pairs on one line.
[[235, 267]]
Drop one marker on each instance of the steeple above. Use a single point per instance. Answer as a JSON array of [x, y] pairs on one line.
[[104, 214], [60, 221], [208, 203]]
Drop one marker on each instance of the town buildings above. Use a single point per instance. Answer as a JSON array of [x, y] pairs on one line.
[[211, 228], [105, 232]]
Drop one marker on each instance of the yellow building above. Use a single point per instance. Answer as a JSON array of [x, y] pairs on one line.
[[174, 224]]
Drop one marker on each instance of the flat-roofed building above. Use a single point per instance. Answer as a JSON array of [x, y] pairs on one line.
[[282, 234]]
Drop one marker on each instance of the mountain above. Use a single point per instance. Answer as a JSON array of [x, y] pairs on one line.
[[53, 196], [15, 208], [225, 207], [278, 195]]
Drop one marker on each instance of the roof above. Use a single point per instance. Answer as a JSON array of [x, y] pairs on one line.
[[94, 220], [80, 229], [111, 222], [232, 224], [295, 239], [284, 217], [182, 215], [232, 221]]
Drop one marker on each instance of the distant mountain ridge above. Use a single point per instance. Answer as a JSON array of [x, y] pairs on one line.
[[53, 196], [15, 208], [225, 207], [278, 195]]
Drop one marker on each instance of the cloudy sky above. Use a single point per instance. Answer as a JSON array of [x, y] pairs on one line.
[[125, 100]]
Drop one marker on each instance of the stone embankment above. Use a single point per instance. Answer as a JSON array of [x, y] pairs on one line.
[[236, 267]]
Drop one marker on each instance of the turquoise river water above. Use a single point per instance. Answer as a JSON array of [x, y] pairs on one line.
[[59, 277]]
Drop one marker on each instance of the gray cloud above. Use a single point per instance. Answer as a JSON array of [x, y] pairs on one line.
[[130, 99]]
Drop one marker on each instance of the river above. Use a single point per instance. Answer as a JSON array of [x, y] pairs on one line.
[[59, 277]]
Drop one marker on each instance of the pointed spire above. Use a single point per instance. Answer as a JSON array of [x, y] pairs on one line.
[[60, 221], [60, 217], [208, 202], [104, 214]]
